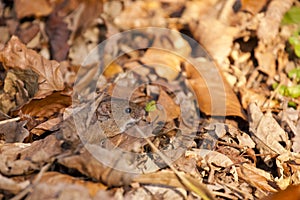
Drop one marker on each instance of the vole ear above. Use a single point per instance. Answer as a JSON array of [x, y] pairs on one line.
[[104, 108]]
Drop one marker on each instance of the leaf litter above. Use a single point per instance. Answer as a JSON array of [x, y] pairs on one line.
[[249, 150]]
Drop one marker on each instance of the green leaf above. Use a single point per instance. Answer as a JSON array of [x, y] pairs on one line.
[[150, 106], [297, 50], [294, 74], [294, 40], [294, 91], [292, 16], [292, 104], [281, 90]]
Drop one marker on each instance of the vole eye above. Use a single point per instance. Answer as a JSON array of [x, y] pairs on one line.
[[128, 110]]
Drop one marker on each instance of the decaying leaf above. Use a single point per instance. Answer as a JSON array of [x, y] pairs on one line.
[[257, 177], [44, 114], [21, 159], [16, 56], [272, 138]]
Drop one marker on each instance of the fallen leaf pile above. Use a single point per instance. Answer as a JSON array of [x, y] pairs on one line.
[[219, 81]]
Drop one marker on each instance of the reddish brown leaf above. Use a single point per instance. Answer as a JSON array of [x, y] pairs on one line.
[[16, 56]]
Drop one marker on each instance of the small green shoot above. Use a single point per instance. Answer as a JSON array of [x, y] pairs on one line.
[[150, 106]]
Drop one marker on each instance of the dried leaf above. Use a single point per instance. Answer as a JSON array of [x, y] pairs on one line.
[[166, 64], [141, 14], [58, 191], [95, 169], [257, 177], [27, 8], [171, 108], [9, 185], [215, 96], [58, 33], [216, 37], [46, 107], [55, 178], [253, 6], [16, 56], [21, 159], [271, 136], [291, 193], [169, 178]]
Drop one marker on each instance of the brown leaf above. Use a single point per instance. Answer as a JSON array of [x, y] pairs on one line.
[[16, 56], [253, 6], [257, 177], [46, 107], [215, 96], [216, 37], [268, 131], [166, 64], [54, 178], [27, 8], [58, 33], [19, 86], [21, 159], [95, 169], [8, 184], [171, 108], [291, 193]]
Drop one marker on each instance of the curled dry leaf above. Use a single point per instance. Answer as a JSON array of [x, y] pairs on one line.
[[42, 113], [46, 107], [16, 56]]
